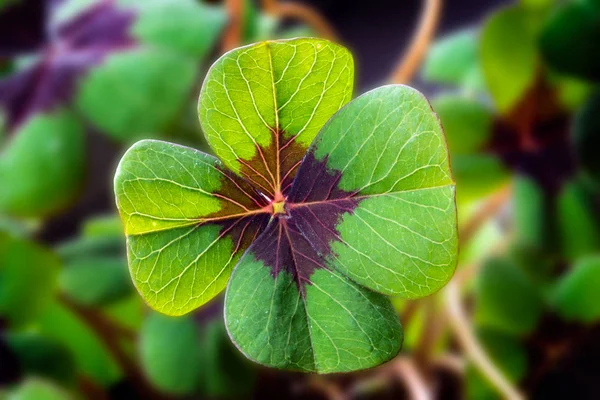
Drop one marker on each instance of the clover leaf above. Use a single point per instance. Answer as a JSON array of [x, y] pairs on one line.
[[323, 209]]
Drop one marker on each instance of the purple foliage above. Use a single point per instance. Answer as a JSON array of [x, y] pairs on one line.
[[73, 49]]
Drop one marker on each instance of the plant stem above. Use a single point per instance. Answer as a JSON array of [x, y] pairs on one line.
[[412, 58], [303, 13], [232, 37], [416, 385], [471, 346]]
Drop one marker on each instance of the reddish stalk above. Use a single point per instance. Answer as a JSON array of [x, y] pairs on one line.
[[412, 58], [471, 346], [232, 37], [303, 13]]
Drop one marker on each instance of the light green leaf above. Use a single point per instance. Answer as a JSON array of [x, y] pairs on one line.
[[466, 121], [226, 373], [49, 146], [27, 279], [138, 93], [262, 105], [478, 175], [91, 356], [530, 210], [186, 26], [187, 221], [104, 226], [578, 223], [38, 389], [171, 354], [507, 300], [94, 281], [509, 57], [453, 59], [576, 295]]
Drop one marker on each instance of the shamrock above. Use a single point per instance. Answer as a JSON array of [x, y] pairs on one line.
[[312, 213]]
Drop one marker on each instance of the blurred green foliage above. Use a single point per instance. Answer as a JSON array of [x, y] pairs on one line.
[[536, 115], [69, 317]]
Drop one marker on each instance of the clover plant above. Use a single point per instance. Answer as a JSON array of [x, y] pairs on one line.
[[315, 210]]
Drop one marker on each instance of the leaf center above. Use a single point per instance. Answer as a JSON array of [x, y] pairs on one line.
[[279, 207]]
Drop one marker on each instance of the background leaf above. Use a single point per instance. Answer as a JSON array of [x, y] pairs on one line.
[[91, 356], [27, 279], [454, 60], [192, 27], [51, 146], [114, 95], [41, 356], [575, 296], [570, 37], [509, 55], [171, 354], [586, 126], [37, 389], [96, 280], [507, 300]]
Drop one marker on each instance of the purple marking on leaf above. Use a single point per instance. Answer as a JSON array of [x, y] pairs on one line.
[[77, 46], [300, 240], [315, 182], [282, 247]]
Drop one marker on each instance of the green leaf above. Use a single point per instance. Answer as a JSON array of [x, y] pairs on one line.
[[187, 26], [187, 222], [128, 312], [585, 135], [94, 281], [262, 105], [466, 121], [27, 279], [226, 373], [509, 58], [108, 226], [578, 224], [171, 354], [576, 295], [42, 356], [507, 300], [388, 151], [91, 356], [90, 246], [531, 211], [373, 200], [453, 60], [138, 93], [38, 389], [370, 209], [48, 145], [570, 37], [478, 175]]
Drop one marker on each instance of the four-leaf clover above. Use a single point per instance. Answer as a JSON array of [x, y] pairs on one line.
[[313, 212]]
